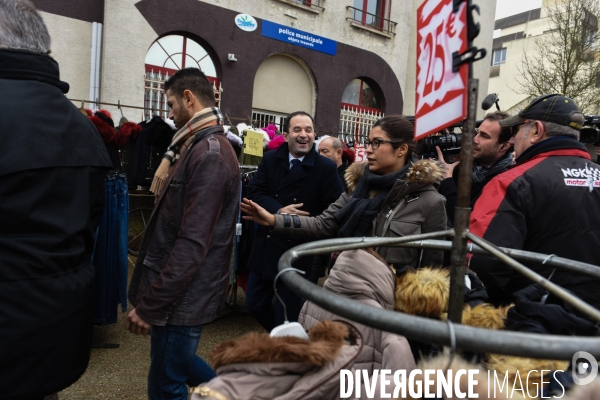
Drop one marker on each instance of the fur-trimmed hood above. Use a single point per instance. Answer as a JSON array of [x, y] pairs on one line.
[[323, 345], [422, 172], [257, 366]]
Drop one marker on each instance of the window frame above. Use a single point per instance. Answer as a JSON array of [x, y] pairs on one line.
[[380, 14], [502, 53], [155, 76]]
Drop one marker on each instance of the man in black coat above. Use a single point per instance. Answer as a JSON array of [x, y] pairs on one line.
[[333, 148], [293, 179], [491, 156], [51, 189], [547, 203]]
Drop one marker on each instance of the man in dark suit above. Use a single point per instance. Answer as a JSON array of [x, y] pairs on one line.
[[293, 179]]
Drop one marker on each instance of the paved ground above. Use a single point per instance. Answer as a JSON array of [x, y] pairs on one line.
[[121, 373]]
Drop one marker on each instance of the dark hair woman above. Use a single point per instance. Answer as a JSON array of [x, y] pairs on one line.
[[389, 195]]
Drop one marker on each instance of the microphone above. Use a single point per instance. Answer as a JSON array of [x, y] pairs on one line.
[[489, 101]]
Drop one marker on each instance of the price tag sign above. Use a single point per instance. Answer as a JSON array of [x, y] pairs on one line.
[[441, 94], [253, 142], [359, 151]]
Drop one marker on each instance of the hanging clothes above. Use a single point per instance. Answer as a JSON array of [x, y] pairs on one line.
[[110, 254], [149, 149]]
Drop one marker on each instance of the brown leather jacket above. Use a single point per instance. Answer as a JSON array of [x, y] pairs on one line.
[[182, 271]]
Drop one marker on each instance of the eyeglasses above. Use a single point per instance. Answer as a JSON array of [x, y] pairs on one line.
[[514, 128], [375, 143]]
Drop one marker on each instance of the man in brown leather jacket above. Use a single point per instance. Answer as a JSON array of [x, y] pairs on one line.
[[182, 271]]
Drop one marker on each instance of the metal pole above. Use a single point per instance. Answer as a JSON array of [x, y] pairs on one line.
[[463, 211]]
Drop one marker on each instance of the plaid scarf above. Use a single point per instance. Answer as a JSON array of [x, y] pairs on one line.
[[182, 139]]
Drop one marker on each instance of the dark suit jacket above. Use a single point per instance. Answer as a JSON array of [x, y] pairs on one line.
[[315, 183]]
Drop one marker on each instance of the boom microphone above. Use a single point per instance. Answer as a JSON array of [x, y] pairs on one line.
[[489, 101]]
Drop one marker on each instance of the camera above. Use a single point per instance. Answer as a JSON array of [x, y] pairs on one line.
[[590, 132], [448, 142]]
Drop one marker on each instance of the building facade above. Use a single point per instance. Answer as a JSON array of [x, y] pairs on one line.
[[347, 62], [515, 36]]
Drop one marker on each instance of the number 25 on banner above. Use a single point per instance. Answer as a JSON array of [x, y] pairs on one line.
[[253, 142], [441, 94]]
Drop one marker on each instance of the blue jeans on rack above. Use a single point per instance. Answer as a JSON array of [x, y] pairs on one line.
[[174, 363]]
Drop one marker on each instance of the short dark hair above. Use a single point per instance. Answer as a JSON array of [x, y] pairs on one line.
[[398, 128], [194, 80], [286, 124], [498, 116]]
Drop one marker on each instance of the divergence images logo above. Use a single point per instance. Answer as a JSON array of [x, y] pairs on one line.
[[585, 368], [245, 22]]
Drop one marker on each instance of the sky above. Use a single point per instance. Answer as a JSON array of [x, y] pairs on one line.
[[505, 8]]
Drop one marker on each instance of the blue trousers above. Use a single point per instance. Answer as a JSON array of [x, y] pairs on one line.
[[260, 297], [174, 363]]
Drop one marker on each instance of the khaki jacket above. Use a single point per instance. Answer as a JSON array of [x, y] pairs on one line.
[[362, 276], [257, 366], [413, 206]]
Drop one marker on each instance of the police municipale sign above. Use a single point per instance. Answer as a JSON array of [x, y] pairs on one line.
[[441, 95]]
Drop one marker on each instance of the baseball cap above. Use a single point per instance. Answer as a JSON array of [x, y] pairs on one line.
[[550, 108]]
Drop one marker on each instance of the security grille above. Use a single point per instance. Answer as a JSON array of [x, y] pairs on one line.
[[356, 122]]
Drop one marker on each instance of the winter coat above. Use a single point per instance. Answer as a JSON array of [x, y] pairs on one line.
[[314, 183], [413, 206], [548, 203], [182, 270], [259, 367], [449, 187], [364, 276], [51, 200]]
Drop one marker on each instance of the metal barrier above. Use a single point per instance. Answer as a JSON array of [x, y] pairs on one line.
[[438, 332]]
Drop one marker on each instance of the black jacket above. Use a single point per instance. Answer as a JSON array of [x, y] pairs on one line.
[[449, 189], [51, 199], [548, 203], [315, 183]]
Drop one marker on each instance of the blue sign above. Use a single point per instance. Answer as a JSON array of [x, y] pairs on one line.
[[298, 38]]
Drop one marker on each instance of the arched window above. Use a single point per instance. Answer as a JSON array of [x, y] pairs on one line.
[[362, 106], [166, 56]]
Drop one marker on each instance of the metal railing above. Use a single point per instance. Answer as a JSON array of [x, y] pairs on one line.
[[438, 332], [355, 123], [374, 21]]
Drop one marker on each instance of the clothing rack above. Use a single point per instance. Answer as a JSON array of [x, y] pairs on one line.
[[118, 105]]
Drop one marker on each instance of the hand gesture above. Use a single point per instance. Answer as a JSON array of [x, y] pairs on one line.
[[135, 324], [256, 213], [294, 209], [448, 168]]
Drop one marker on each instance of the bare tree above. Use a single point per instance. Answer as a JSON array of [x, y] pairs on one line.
[[567, 58]]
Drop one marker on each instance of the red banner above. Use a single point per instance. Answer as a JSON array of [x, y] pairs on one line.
[[441, 95]]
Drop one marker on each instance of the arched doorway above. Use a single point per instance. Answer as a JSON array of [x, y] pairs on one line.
[[283, 84], [166, 56]]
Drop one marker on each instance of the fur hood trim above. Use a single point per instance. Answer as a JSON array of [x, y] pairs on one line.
[[422, 171], [324, 343], [423, 292], [483, 316]]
